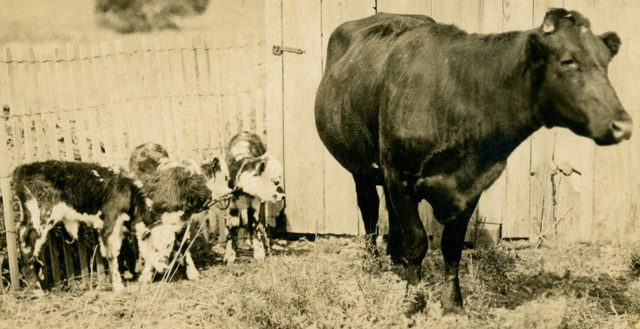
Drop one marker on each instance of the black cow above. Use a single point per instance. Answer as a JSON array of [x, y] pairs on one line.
[[433, 113]]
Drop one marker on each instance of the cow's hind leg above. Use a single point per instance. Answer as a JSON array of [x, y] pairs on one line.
[[451, 245], [414, 237], [368, 202]]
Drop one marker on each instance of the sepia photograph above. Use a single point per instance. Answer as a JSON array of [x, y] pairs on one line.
[[319, 164]]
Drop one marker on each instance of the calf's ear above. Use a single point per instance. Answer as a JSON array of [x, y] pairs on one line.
[[612, 41]]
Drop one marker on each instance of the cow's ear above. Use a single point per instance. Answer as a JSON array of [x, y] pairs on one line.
[[537, 52], [612, 41]]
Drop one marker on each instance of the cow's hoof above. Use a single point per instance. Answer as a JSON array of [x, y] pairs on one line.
[[453, 310], [192, 274], [415, 301], [416, 305]]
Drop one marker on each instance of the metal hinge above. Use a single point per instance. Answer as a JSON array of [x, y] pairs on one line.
[[278, 50]]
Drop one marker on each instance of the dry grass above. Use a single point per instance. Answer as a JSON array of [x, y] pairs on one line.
[[329, 284]]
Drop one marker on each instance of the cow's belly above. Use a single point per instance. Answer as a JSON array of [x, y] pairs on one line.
[[450, 194], [343, 130]]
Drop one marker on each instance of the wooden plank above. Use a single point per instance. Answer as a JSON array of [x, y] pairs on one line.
[[34, 109], [72, 59], [62, 96], [274, 79], [99, 109], [177, 91], [200, 120], [303, 157], [125, 106], [623, 69], [612, 179], [341, 214], [110, 112], [19, 142], [52, 242], [542, 151], [517, 16], [87, 102], [7, 197], [67, 252], [47, 110], [405, 6], [464, 14], [189, 93], [82, 256], [215, 81], [171, 138]]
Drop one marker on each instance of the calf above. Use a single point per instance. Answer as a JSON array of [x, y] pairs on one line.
[[256, 177], [179, 190], [71, 193]]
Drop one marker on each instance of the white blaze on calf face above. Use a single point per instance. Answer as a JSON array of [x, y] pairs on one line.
[[157, 247], [219, 183], [266, 182]]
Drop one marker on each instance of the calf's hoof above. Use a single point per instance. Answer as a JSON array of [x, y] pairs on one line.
[[229, 256], [258, 250], [192, 274], [118, 287]]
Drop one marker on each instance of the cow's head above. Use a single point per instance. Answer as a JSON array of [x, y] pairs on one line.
[[261, 177], [570, 80]]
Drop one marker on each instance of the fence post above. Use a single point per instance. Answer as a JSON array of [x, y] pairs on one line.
[[10, 225]]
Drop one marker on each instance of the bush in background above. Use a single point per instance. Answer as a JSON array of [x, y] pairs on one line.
[[128, 16]]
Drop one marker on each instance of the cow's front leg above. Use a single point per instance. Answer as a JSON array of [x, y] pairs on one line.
[[416, 243], [451, 245]]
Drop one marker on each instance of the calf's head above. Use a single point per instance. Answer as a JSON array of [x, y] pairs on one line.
[[262, 177], [570, 82], [217, 174]]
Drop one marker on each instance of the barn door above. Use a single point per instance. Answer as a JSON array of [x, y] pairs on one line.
[[320, 193]]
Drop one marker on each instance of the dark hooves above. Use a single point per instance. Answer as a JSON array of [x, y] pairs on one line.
[[415, 304]]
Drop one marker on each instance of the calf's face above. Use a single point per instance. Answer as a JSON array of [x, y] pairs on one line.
[[217, 174], [574, 89], [262, 177]]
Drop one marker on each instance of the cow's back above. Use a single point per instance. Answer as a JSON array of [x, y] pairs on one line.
[[346, 102]]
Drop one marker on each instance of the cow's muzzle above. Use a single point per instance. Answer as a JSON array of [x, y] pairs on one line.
[[621, 129]]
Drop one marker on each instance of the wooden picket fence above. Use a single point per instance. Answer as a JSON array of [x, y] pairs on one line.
[[96, 102]]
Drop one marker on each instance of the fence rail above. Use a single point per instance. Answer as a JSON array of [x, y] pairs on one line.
[[96, 102]]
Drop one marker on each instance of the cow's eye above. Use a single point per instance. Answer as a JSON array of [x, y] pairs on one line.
[[568, 62]]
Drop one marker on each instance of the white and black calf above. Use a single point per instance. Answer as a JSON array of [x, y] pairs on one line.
[[256, 177], [72, 193], [179, 190]]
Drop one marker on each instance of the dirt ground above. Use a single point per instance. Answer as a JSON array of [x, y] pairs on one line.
[[329, 283]]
